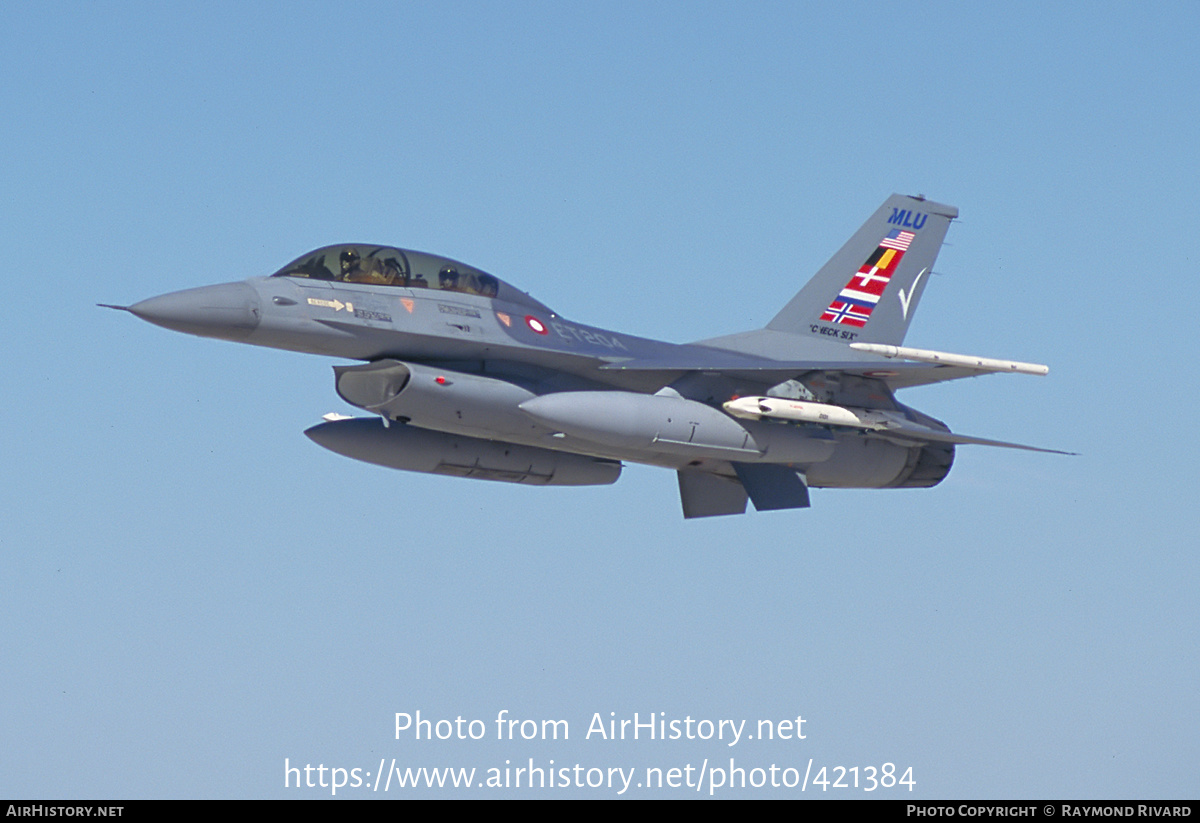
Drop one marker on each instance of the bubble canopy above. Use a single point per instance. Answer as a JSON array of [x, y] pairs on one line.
[[390, 266]]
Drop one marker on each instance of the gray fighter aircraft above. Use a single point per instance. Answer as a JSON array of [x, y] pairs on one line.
[[469, 376]]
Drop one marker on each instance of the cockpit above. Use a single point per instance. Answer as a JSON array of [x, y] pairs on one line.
[[389, 266]]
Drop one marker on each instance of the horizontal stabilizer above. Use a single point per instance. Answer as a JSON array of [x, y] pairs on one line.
[[923, 434]]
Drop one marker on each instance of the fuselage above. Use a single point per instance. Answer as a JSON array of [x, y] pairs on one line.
[[472, 377], [461, 352]]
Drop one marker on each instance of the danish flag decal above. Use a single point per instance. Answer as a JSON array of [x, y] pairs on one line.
[[854, 303]]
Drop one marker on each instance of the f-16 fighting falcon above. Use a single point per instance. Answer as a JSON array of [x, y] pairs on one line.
[[466, 375]]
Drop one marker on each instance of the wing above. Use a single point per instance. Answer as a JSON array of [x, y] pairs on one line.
[[919, 367]]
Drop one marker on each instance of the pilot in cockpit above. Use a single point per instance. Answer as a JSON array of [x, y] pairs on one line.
[[448, 278]]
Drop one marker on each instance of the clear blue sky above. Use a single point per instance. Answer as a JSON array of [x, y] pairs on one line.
[[191, 591]]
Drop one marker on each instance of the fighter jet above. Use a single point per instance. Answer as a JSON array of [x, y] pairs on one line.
[[466, 375]]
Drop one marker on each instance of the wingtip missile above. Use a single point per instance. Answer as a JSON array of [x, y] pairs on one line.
[[983, 364]]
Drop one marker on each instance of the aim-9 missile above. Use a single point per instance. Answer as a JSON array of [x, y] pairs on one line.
[[756, 408]]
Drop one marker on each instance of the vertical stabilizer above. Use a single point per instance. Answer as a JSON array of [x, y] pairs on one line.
[[868, 291]]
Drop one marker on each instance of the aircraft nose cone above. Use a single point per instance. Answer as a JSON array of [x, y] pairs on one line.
[[229, 311]]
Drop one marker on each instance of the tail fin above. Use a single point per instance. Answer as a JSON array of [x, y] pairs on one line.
[[871, 287]]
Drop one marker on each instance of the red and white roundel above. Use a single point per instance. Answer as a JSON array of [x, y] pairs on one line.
[[535, 324]]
